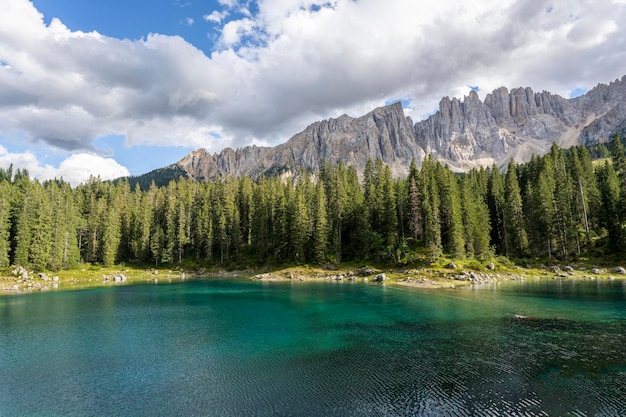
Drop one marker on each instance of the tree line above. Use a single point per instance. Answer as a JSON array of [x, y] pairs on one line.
[[557, 205]]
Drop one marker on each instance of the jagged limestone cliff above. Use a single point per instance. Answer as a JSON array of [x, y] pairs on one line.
[[462, 133]]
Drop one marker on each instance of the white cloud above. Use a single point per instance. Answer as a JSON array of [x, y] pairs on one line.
[[189, 21], [293, 62], [75, 169], [234, 30], [26, 160], [216, 16], [78, 168], [229, 3]]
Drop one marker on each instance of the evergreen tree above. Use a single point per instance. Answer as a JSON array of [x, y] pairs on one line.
[[450, 213], [389, 214], [111, 233], [430, 209], [619, 165], [495, 199], [298, 221], [202, 218], [475, 220], [6, 195], [260, 230], [516, 240], [64, 251], [355, 225], [23, 213], [319, 237], [609, 184], [563, 217]]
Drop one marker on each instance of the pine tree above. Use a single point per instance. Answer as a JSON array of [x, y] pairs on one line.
[[543, 215], [609, 185], [450, 213], [111, 235], [6, 195], [298, 224], [415, 219], [319, 237], [260, 224], [475, 220], [244, 202], [279, 239], [619, 165], [516, 240], [388, 216], [23, 212], [563, 217], [355, 226], [202, 227], [430, 209], [41, 229], [495, 199]]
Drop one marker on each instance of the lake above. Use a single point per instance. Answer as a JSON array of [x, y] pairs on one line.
[[238, 348]]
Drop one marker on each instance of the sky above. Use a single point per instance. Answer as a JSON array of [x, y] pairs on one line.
[[122, 87]]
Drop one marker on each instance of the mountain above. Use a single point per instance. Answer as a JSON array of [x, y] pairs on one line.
[[462, 133]]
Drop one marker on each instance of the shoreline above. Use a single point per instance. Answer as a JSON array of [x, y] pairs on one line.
[[449, 277]]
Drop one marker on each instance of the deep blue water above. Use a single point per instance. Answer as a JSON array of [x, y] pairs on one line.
[[239, 348]]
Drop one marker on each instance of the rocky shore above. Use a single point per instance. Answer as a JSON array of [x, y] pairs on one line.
[[449, 276]]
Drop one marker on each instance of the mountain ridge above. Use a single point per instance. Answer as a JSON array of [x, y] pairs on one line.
[[463, 133]]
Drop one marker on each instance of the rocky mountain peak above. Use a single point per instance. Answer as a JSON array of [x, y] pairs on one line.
[[462, 133]]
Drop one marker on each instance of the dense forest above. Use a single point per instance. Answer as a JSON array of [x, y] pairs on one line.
[[559, 205]]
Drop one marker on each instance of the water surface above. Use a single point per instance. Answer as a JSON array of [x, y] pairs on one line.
[[237, 348]]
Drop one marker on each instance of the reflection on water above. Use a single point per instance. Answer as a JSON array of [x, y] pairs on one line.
[[245, 348]]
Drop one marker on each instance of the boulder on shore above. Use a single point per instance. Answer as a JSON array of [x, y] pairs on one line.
[[366, 272], [119, 278], [620, 270], [380, 278]]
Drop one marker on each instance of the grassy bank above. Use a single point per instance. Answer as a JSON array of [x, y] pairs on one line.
[[445, 273]]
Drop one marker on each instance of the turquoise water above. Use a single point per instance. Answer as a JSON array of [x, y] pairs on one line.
[[239, 348]]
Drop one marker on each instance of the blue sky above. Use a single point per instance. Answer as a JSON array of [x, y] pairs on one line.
[[135, 19], [118, 87]]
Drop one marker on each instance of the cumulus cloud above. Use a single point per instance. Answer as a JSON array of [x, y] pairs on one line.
[[75, 169], [216, 16], [290, 63], [78, 168], [234, 30]]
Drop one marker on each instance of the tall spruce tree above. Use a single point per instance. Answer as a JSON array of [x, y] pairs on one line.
[[516, 240], [450, 213], [495, 201], [6, 195], [609, 185], [430, 209], [319, 237]]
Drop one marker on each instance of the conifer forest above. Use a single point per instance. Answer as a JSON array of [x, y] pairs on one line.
[[561, 205]]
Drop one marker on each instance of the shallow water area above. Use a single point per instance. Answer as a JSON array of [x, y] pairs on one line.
[[235, 348]]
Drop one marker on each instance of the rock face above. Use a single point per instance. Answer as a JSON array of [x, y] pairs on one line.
[[462, 133]]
